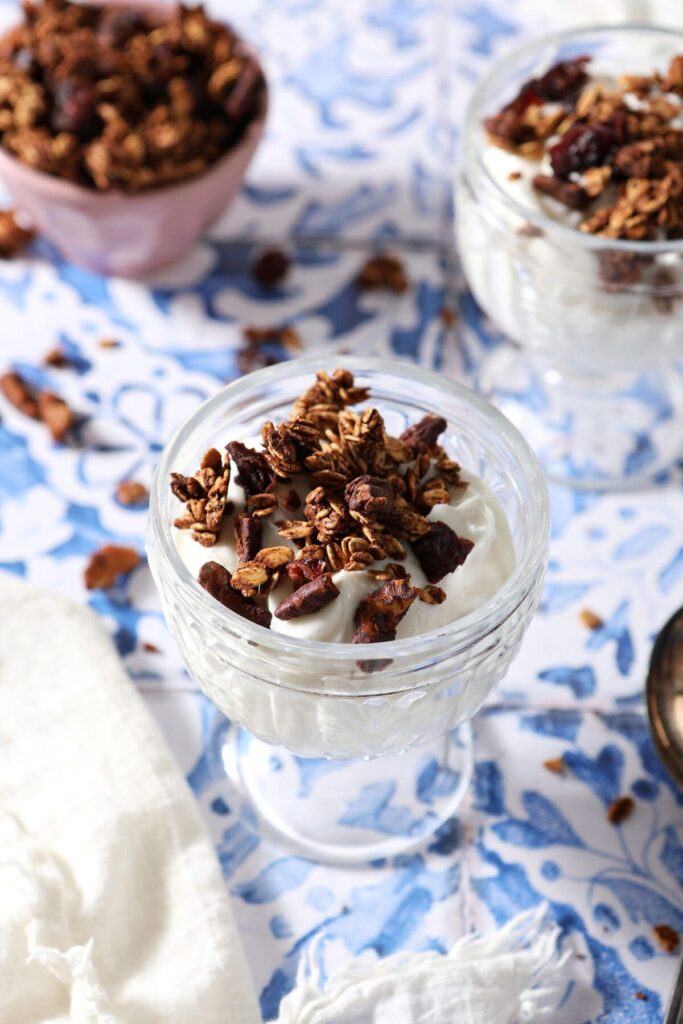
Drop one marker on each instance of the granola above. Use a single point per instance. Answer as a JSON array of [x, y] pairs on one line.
[[614, 153], [330, 490], [113, 97]]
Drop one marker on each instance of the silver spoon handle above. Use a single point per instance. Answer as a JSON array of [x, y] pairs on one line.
[[675, 1014]]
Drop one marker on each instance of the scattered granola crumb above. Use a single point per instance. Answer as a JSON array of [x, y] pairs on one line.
[[13, 238], [132, 492], [529, 231], [555, 765], [270, 267], [57, 359], [620, 809], [590, 620], [107, 564], [641, 996], [38, 405], [281, 334], [383, 271], [56, 415], [109, 343], [448, 316], [514, 175], [150, 648], [20, 394], [667, 937]]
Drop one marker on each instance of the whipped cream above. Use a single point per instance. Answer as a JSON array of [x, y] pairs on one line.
[[474, 514]]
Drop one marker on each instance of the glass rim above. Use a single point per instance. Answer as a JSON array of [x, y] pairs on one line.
[[462, 633], [473, 133]]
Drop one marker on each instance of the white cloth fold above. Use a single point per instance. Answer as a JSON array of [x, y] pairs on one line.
[[112, 905], [511, 977]]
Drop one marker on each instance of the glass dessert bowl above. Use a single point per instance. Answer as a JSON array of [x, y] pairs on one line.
[[354, 751], [572, 248]]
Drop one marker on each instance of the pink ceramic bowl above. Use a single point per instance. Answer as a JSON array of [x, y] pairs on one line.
[[130, 235]]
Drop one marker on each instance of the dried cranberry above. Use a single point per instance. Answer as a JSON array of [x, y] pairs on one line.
[[563, 80], [302, 570], [441, 551], [163, 64], [118, 24], [254, 473], [423, 435], [74, 108], [581, 147], [24, 60]]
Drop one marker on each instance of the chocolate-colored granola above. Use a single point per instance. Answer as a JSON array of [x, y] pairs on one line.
[[367, 497], [113, 97], [378, 615], [205, 497], [604, 146]]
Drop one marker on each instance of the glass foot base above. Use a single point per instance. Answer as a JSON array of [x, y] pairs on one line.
[[602, 433], [350, 812]]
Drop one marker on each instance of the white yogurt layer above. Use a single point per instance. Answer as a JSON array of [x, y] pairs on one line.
[[474, 514]]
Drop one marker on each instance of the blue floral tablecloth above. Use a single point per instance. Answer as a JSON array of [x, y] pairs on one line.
[[367, 97]]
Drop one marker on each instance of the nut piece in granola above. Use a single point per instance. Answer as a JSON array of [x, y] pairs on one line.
[[217, 581], [378, 615], [441, 551], [308, 598], [107, 564], [248, 534], [254, 474]]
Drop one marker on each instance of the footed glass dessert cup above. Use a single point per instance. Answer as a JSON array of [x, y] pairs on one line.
[[352, 752], [593, 376]]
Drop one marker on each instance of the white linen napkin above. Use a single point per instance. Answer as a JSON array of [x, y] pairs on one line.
[[513, 976], [112, 905]]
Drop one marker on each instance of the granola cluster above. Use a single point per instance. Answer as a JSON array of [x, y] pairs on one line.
[[113, 97], [614, 153], [367, 497]]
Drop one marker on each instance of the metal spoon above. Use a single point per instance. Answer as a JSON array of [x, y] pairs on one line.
[[665, 709]]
